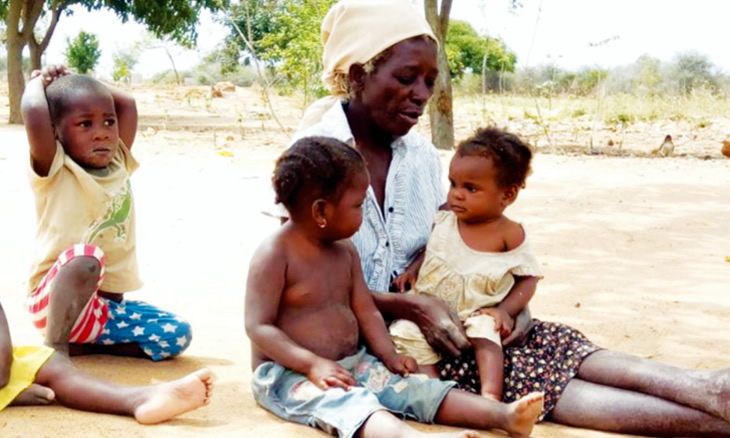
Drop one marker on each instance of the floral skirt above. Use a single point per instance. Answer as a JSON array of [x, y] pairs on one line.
[[546, 362]]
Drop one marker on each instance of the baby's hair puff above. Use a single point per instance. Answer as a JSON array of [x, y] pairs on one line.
[[315, 168], [509, 154]]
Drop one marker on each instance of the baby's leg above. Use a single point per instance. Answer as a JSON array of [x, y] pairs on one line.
[[464, 409], [148, 404], [490, 361], [383, 424]]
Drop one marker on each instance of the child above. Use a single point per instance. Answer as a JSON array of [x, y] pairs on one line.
[[308, 308], [38, 376], [80, 134], [475, 254]]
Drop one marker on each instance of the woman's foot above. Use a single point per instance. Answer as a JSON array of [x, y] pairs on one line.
[[523, 415], [35, 395], [462, 434], [171, 399], [718, 392]]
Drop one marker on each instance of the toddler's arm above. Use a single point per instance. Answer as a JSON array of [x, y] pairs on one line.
[[6, 349], [372, 324], [266, 283], [37, 118], [126, 109]]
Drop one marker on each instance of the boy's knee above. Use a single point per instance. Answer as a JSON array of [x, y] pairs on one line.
[[180, 340], [83, 269]]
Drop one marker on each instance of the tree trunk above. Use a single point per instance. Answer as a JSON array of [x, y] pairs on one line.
[[15, 44], [441, 108], [29, 10]]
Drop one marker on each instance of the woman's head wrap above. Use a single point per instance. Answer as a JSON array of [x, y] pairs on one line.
[[356, 31]]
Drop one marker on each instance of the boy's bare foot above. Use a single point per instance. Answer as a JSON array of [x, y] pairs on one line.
[[171, 399], [523, 413], [35, 395]]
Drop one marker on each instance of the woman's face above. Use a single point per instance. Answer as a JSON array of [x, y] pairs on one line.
[[396, 93]]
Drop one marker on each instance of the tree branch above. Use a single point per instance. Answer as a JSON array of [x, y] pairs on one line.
[[432, 17], [444, 17], [55, 15], [32, 11], [267, 85]]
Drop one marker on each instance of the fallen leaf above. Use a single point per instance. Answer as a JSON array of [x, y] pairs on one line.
[[225, 153]]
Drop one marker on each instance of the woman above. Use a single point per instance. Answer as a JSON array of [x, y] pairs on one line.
[[381, 81]]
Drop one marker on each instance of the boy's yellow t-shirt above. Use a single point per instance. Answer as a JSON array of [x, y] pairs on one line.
[[74, 206]]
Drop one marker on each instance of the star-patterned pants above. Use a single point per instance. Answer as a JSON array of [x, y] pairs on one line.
[[160, 334]]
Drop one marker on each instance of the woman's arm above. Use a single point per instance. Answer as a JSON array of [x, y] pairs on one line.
[[437, 322], [6, 350]]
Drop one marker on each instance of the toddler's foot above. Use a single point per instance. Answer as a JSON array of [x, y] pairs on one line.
[[171, 399], [35, 395], [523, 413]]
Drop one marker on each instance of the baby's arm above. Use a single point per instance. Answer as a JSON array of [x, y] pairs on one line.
[[372, 325], [266, 283], [37, 118], [126, 109], [6, 349], [408, 278]]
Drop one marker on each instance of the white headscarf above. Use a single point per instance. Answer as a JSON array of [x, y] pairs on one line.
[[355, 31]]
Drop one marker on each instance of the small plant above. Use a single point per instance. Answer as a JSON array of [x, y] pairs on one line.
[[82, 53]]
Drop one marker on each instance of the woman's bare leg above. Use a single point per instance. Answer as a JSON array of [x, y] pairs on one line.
[[465, 409], [382, 424], [148, 404], [706, 390], [592, 406]]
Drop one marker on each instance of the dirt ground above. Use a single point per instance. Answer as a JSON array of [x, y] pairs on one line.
[[634, 252]]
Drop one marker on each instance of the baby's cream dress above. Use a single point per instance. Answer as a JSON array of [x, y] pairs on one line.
[[467, 280]]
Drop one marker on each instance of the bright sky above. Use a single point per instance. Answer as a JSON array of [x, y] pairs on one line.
[[542, 31]]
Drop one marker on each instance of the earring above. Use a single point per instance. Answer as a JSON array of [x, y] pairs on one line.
[[323, 224]]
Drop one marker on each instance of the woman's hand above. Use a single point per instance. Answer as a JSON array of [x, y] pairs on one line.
[[439, 324], [326, 374], [522, 327], [401, 364]]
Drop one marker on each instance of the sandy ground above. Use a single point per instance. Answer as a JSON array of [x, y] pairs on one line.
[[633, 251]]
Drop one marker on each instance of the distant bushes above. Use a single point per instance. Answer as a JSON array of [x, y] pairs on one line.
[[688, 73]]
